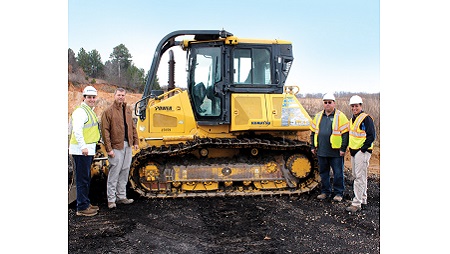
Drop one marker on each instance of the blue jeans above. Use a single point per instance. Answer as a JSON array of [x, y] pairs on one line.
[[83, 179], [337, 164]]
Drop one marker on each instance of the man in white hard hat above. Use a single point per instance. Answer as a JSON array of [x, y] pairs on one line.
[[84, 137], [362, 134], [329, 140]]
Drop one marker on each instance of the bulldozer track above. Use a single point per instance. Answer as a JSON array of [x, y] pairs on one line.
[[173, 152]]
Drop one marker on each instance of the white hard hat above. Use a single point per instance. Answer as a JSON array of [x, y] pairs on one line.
[[89, 90], [328, 96], [355, 99]]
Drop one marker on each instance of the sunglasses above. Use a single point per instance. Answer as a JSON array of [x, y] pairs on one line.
[[327, 102]]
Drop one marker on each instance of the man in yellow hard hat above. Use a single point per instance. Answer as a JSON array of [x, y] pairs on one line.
[[329, 139], [362, 134]]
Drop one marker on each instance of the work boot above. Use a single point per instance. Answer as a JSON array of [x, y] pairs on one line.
[[322, 196], [87, 212], [125, 201], [94, 207], [337, 198], [111, 205], [353, 208]]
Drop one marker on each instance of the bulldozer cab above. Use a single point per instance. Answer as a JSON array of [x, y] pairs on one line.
[[216, 69]]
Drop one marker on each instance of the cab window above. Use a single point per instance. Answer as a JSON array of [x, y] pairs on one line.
[[206, 71], [251, 66]]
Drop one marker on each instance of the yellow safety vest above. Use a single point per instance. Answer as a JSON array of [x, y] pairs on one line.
[[91, 131], [357, 137], [340, 126]]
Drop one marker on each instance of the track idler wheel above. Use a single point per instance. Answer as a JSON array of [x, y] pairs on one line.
[[299, 165]]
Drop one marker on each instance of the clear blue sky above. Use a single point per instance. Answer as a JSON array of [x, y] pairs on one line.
[[336, 44]]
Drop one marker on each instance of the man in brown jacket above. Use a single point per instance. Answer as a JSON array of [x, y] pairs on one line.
[[119, 136]]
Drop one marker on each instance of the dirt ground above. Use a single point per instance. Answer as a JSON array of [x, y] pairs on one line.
[[277, 224], [268, 224]]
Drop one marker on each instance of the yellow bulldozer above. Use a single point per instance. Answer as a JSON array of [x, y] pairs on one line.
[[236, 130]]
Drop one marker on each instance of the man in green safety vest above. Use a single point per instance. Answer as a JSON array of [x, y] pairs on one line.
[[329, 140], [84, 137], [362, 134]]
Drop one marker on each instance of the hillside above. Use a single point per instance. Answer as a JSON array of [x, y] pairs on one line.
[[105, 97]]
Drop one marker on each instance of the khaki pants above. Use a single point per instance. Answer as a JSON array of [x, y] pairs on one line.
[[119, 169], [360, 166]]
